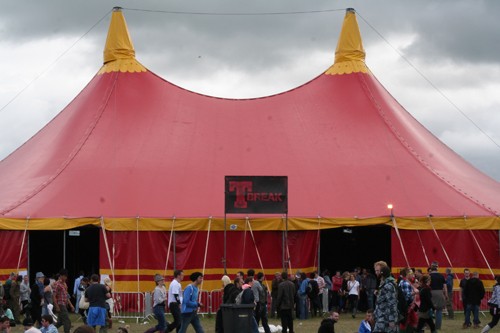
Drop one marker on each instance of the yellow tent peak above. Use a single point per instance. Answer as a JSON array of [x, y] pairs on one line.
[[119, 53], [350, 54]]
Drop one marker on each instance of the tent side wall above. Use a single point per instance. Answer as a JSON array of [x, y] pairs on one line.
[[477, 250], [14, 250], [137, 256]]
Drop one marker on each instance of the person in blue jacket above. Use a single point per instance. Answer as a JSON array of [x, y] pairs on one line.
[[366, 324], [190, 305]]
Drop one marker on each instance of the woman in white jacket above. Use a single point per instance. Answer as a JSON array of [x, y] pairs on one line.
[[494, 304]]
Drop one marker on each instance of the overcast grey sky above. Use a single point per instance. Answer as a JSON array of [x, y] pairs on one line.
[[51, 49]]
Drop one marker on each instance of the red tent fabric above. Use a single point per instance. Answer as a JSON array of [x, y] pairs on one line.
[[132, 145]]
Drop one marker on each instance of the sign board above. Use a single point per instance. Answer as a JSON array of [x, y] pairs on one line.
[[256, 194], [74, 233]]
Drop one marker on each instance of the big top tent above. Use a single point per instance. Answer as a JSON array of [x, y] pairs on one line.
[[145, 160]]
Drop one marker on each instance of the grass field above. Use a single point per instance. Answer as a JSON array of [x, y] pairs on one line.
[[346, 324]]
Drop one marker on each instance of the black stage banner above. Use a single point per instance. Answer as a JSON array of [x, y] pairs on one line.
[[256, 194]]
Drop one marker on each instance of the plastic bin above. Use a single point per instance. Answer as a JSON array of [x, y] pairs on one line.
[[237, 318]]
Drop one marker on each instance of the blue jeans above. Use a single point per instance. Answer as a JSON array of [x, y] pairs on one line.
[[190, 318], [303, 306], [159, 312], [475, 313], [439, 318], [369, 298]]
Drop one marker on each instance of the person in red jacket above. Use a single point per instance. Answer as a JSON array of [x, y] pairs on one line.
[[337, 281]]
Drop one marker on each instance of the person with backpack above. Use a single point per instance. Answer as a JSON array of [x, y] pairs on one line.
[[190, 304], [313, 295]]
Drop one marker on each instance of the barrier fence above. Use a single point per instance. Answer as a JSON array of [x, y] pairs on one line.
[[139, 306]]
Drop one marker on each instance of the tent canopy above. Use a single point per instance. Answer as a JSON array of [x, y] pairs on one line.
[[134, 145]]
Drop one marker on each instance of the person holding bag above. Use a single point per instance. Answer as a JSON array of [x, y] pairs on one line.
[[494, 304]]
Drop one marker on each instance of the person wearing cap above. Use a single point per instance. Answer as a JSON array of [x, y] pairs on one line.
[[159, 298], [96, 294], [37, 298], [28, 326], [439, 293], [190, 304]]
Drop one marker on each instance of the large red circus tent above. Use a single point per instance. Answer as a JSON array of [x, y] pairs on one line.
[[133, 170]]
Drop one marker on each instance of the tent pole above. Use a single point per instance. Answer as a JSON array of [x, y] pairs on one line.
[[318, 239], [423, 249], [224, 259], [283, 247], [257, 250], [137, 257], [64, 249], [400, 240], [22, 244], [206, 251], [107, 248], [480, 250], [175, 250], [289, 265], [439, 239], [169, 245]]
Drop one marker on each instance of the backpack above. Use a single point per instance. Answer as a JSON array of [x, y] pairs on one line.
[[312, 289], [238, 298], [402, 304], [6, 290]]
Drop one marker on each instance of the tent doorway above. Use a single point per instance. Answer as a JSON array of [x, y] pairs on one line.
[[346, 248], [76, 250]]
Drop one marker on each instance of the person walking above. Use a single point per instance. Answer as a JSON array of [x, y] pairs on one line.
[[175, 300], [494, 304], [96, 294], [190, 304], [77, 291], [159, 299], [37, 298], [426, 305], [62, 301], [386, 306]]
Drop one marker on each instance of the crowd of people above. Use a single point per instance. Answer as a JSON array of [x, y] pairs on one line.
[[406, 303], [45, 305]]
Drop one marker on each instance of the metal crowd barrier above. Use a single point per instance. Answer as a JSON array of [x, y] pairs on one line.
[[129, 305], [139, 306]]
